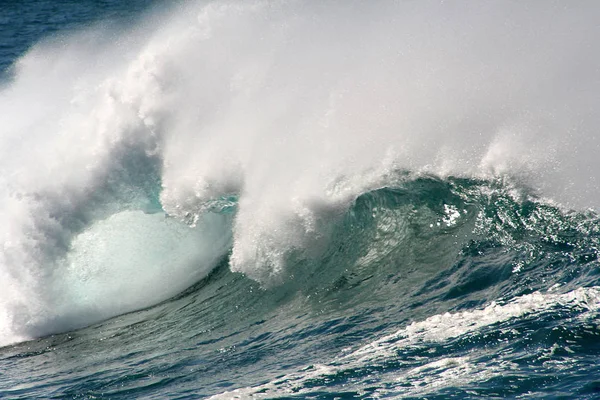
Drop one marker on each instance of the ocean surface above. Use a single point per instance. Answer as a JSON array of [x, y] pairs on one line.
[[299, 199]]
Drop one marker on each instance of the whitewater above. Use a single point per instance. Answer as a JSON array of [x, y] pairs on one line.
[[294, 199]]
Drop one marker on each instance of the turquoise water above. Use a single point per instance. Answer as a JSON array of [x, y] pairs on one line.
[[291, 200]]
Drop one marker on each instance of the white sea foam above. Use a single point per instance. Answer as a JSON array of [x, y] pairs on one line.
[[296, 107], [126, 262]]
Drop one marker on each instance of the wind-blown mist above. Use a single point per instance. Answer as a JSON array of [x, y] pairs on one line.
[[291, 109]]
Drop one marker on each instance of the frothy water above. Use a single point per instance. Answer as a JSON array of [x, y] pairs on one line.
[[428, 378]]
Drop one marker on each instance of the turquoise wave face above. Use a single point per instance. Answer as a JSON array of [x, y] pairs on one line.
[[432, 287]]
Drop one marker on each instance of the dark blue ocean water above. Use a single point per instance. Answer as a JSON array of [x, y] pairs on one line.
[[420, 286], [24, 23]]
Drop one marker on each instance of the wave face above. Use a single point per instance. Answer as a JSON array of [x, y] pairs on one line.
[[286, 199]]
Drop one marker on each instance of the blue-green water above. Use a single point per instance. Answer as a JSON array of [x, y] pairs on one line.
[[291, 200]]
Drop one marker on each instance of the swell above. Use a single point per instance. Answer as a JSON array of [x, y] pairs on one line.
[[450, 242], [434, 287], [421, 247], [427, 269], [433, 244]]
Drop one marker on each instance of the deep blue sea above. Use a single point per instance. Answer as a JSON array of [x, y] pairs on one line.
[[284, 199]]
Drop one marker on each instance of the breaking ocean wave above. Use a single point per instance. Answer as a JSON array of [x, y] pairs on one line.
[[281, 199]]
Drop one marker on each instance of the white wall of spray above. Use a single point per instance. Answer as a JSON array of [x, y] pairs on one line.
[[297, 107]]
